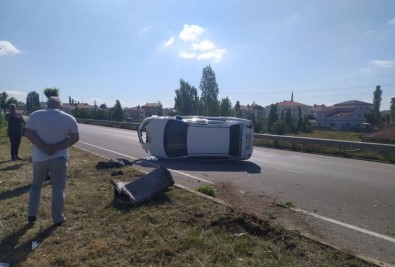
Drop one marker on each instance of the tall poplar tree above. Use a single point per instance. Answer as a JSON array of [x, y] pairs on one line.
[[377, 102], [159, 110], [186, 101], [392, 111], [117, 114], [225, 107], [32, 101], [209, 96], [373, 116], [237, 109], [273, 116]]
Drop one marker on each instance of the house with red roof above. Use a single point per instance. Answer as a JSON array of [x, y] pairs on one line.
[[343, 116]]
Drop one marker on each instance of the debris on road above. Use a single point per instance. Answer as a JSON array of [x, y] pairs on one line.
[[113, 163]]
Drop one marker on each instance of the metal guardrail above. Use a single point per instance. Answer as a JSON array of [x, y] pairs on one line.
[[270, 137], [327, 142]]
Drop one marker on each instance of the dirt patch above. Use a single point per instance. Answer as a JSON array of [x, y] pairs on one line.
[[263, 208]]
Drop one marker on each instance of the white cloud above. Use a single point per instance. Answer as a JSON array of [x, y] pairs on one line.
[[8, 49], [170, 42], [195, 45], [369, 32], [392, 21], [216, 55], [186, 54], [203, 46], [383, 63], [145, 29], [20, 95], [190, 32]]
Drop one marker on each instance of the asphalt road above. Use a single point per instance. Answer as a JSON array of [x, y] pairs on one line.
[[348, 203]]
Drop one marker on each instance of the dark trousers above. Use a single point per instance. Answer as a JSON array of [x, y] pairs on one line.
[[15, 140]]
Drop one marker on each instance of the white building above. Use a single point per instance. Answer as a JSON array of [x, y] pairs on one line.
[[343, 116]]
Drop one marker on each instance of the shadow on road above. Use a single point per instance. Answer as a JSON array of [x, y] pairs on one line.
[[213, 165]]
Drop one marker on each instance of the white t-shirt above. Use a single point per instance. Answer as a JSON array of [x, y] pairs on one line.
[[51, 126]]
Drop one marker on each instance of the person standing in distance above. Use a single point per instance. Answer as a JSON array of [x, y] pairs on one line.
[[15, 122], [51, 131]]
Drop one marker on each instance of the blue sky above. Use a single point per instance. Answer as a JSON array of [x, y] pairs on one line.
[[135, 51]]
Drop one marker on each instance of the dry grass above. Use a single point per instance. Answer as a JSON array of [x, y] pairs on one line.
[[332, 134], [177, 228]]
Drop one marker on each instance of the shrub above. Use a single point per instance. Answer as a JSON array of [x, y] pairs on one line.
[[207, 190]]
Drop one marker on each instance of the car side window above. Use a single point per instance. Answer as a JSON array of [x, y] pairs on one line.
[[175, 138]]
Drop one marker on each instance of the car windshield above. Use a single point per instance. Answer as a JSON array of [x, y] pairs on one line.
[[175, 139]]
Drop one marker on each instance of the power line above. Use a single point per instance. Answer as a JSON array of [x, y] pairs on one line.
[[321, 82], [314, 90]]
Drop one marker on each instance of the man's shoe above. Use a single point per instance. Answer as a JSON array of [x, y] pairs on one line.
[[18, 158], [31, 219]]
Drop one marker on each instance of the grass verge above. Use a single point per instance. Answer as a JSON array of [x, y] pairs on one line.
[[177, 228]]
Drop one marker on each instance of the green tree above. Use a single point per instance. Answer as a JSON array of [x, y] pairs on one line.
[[225, 107], [289, 120], [9, 101], [273, 116], [159, 111], [260, 124], [373, 116], [186, 101], [307, 127], [117, 111], [82, 113], [3, 101], [300, 119], [392, 111], [237, 109], [279, 127], [209, 96], [32, 102], [48, 92]]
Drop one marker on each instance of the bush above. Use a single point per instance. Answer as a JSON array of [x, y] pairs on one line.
[[207, 190]]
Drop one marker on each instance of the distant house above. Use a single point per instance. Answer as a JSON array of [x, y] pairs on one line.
[[150, 109], [68, 108], [293, 106], [21, 108], [343, 116], [168, 111], [134, 113], [249, 110]]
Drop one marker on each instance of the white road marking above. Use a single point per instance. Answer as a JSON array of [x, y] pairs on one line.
[[349, 226], [150, 163], [282, 169]]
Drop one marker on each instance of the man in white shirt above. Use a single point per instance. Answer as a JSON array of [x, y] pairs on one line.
[[51, 131]]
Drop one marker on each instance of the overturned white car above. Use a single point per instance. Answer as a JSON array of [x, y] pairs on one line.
[[196, 136]]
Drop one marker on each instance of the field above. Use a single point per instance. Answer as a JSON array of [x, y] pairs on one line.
[[388, 157], [177, 228]]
